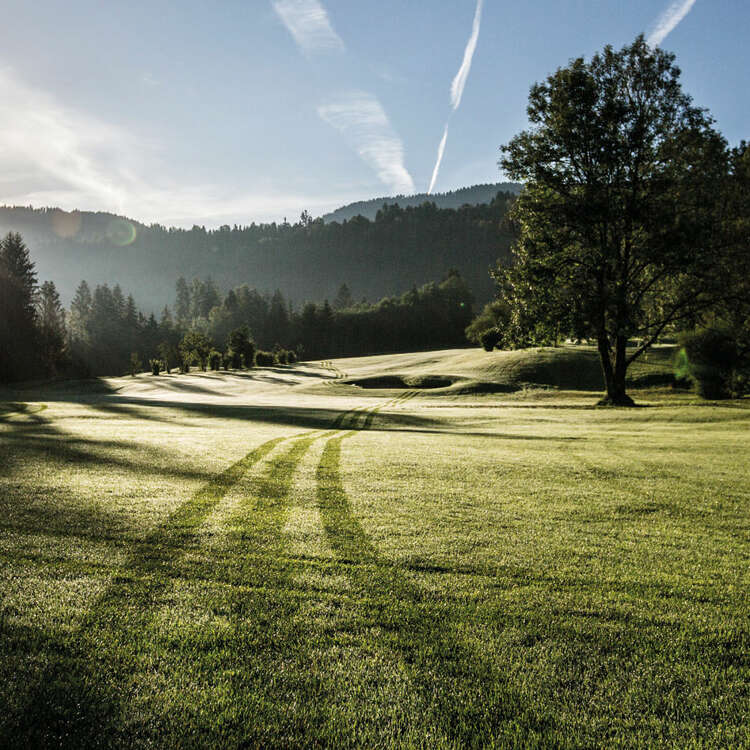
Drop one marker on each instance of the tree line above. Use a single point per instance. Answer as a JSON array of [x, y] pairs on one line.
[[32, 319], [473, 196], [307, 258], [104, 332]]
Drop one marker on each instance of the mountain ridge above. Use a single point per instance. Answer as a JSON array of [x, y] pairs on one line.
[[401, 248], [471, 195]]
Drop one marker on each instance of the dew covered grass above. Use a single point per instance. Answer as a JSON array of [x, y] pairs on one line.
[[277, 560]]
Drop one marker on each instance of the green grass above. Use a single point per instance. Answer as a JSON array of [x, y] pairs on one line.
[[264, 560], [461, 372]]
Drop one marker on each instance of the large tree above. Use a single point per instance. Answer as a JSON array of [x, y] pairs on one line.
[[623, 216], [52, 334], [18, 316]]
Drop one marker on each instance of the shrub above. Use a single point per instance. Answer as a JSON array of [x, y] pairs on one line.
[[135, 364], [214, 360], [495, 315], [242, 348], [264, 359], [155, 365], [490, 339], [282, 356], [709, 356], [195, 346], [248, 356], [291, 356]]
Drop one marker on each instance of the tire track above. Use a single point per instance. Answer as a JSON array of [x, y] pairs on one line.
[[338, 374], [78, 696], [393, 402], [419, 631], [261, 603]]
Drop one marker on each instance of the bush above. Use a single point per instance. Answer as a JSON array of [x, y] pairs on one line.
[[214, 359], [135, 364], [291, 356], [709, 356], [495, 315], [264, 359], [490, 339], [241, 348], [155, 365], [282, 356]]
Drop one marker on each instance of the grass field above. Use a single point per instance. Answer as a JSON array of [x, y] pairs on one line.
[[284, 559]]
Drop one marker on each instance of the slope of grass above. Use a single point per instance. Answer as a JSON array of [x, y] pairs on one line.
[[243, 560], [566, 368]]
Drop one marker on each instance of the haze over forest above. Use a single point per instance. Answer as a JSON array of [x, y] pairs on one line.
[[415, 240]]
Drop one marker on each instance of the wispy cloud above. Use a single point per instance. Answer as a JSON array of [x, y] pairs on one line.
[[458, 86], [308, 23], [459, 82], [441, 151], [51, 149], [360, 117], [53, 155], [668, 20]]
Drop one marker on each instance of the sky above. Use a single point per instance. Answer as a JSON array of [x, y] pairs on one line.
[[237, 111]]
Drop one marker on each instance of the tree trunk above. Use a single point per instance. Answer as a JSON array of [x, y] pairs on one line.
[[614, 375]]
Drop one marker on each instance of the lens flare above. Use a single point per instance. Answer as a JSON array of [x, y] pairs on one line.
[[64, 224], [121, 232]]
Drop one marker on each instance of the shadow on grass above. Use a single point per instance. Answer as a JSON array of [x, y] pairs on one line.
[[451, 679], [78, 701], [26, 443], [314, 418]]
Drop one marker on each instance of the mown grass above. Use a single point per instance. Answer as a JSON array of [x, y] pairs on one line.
[[403, 571]]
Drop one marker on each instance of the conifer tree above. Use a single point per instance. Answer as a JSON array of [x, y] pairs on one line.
[[18, 292], [182, 306], [52, 338]]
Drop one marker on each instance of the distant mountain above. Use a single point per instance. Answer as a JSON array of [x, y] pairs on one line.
[[308, 261], [472, 196]]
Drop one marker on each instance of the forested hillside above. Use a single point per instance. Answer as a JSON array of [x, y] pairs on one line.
[[308, 260], [473, 196]]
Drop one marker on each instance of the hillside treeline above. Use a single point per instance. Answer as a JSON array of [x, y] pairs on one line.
[[473, 196], [104, 332], [309, 259], [32, 319]]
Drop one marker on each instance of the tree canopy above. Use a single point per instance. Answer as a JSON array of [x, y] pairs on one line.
[[624, 214]]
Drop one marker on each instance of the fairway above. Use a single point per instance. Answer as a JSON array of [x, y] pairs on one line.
[[425, 550]]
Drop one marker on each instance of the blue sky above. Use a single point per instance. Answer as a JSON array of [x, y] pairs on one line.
[[229, 111]]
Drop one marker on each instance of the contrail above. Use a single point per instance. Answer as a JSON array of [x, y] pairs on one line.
[[309, 24], [441, 151], [668, 20], [459, 82], [361, 119], [458, 85]]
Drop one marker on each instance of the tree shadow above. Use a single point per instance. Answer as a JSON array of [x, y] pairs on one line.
[[78, 701], [421, 631]]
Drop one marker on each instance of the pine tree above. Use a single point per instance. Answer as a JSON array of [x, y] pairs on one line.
[[18, 292], [343, 299], [80, 312], [118, 299], [182, 306], [277, 323], [79, 321], [166, 318], [52, 336]]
